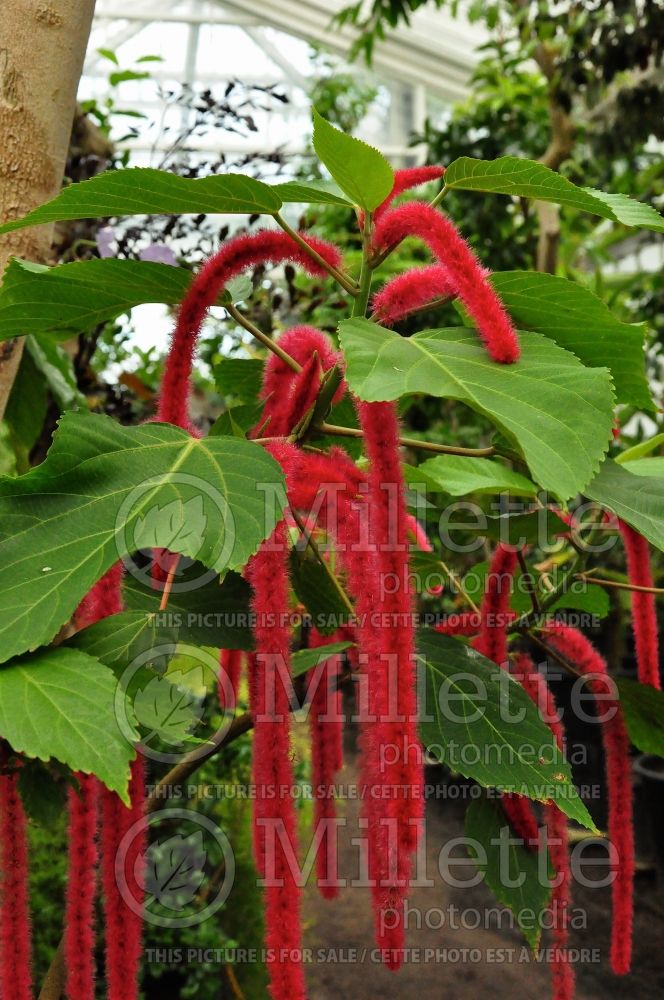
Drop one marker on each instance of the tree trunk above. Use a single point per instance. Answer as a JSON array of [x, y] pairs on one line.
[[42, 48]]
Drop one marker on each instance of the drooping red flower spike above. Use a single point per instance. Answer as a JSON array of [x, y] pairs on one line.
[[411, 290], [574, 646], [124, 927], [235, 256], [230, 668], [644, 613], [407, 179], [326, 723], [466, 273], [492, 643], [267, 572], [79, 940], [15, 950], [391, 751], [562, 970]]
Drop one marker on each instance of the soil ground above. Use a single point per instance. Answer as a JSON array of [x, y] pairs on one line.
[[454, 962]]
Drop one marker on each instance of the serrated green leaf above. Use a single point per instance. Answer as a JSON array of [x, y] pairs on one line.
[[237, 420], [458, 475], [518, 877], [557, 412], [578, 320], [637, 499], [360, 170], [166, 709], [119, 639], [478, 720], [59, 703], [66, 522], [55, 301], [643, 709], [528, 179], [312, 194], [146, 191], [205, 612]]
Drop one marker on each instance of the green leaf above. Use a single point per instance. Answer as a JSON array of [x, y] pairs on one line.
[[578, 320], [239, 378], [313, 587], [78, 296], [645, 466], [60, 703], [360, 170], [237, 420], [457, 475], [166, 709], [643, 708], [504, 863], [119, 639], [637, 499], [557, 412], [106, 490], [312, 194], [640, 450], [44, 798], [305, 659], [205, 612], [146, 191], [478, 720], [528, 179], [58, 370]]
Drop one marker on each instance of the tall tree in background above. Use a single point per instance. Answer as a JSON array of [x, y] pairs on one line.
[[42, 48]]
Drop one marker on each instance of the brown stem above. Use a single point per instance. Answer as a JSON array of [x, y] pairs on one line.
[[591, 578], [439, 449]]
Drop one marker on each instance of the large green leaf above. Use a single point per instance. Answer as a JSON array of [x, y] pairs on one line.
[[458, 475], [105, 491], [643, 708], [478, 720], [637, 499], [205, 612], [119, 639], [559, 413], [360, 170], [314, 194], [580, 322], [306, 659], [239, 378], [528, 179], [57, 300], [518, 877], [60, 703], [146, 191]]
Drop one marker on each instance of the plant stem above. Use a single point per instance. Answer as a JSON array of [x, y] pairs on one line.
[[168, 586], [440, 449], [263, 338], [530, 581], [456, 580], [361, 302], [344, 280], [311, 542], [591, 578]]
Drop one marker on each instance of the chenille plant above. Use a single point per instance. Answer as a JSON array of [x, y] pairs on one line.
[[308, 503]]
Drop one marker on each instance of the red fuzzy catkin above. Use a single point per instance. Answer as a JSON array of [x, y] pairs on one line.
[[394, 824], [124, 926], [15, 951], [405, 180], [492, 643], [562, 970], [574, 646], [644, 613], [230, 668], [79, 939], [411, 290], [235, 256], [267, 572], [466, 273], [326, 724]]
